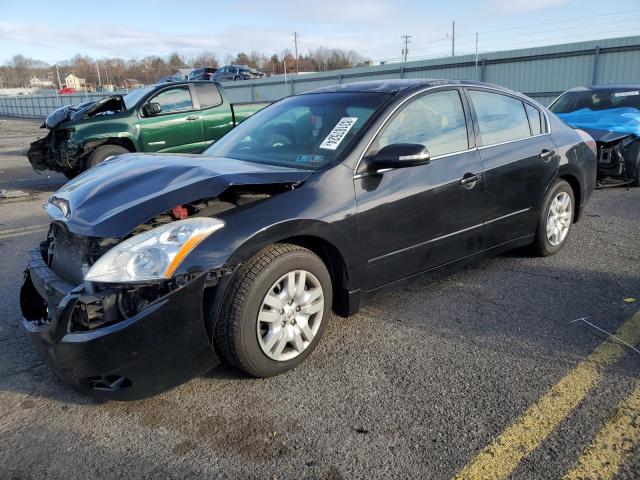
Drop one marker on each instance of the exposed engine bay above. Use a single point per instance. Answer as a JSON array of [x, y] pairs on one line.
[[617, 160], [104, 106]]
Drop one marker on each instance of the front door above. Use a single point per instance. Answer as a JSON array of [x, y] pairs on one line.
[[414, 219], [178, 126]]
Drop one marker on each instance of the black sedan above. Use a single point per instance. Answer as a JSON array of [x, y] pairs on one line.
[[156, 266]]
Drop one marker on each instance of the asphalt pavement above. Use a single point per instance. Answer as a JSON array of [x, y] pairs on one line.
[[486, 372]]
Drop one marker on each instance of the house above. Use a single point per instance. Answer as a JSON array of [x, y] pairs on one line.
[[39, 83], [131, 83], [76, 83]]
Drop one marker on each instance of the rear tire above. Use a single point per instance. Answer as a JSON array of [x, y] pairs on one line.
[[264, 330], [555, 219], [102, 153]]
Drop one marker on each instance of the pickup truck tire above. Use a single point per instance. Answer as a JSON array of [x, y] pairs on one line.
[[102, 153], [275, 310], [555, 219]]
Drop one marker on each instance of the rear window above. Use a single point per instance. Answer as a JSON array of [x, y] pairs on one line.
[[501, 118], [597, 100], [208, 95]]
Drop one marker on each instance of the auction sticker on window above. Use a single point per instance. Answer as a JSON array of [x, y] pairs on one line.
[[626, 94], [338, 133]]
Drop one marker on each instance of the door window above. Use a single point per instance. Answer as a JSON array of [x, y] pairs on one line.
[[501, 118], [535, 119], [174, 100], [208, 95], [435, 120]]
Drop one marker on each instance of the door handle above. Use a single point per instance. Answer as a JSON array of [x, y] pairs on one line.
[[544, 154], [469, 179], [191, 118]]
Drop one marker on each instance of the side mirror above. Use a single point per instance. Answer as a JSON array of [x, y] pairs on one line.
[[151, 109], [399, 155]]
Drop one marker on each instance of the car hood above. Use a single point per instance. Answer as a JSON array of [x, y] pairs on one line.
[[114, 197], [605, 136], [82, 110]]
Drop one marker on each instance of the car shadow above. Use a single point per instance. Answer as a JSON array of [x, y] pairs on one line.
[[528, 306]]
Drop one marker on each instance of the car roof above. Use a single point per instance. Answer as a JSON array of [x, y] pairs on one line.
[[607, 86], [397, 85], [181, 82]]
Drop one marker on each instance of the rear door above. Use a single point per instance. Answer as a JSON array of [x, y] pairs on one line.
[[519, 160], [217, 117], [414, 219], [178, 127]]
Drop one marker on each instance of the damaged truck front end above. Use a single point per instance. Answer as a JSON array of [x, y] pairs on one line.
[[136, 333], [58, 151]]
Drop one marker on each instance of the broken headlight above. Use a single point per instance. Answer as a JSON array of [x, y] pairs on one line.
[[152, 255]]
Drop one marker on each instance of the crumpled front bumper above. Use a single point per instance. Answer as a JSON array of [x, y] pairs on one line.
[[158, 348], [55, 152]]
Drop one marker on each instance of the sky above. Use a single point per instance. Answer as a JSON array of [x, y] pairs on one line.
[[55, 31]]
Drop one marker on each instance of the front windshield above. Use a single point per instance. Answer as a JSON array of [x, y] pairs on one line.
[[305, 131], [596, 100], [133, 97]]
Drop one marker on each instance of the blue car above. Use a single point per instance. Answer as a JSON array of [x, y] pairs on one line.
[[611, 115]]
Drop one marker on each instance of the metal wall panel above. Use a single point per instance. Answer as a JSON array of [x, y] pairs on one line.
[[541, 72]]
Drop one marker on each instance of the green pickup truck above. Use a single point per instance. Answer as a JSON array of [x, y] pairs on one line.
[[182, 117]]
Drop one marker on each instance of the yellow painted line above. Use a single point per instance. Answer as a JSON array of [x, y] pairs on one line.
[[504, 454], [612, 444], [17, 232]]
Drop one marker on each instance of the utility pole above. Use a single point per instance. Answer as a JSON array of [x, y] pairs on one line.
[[405, 50], [295, 42], [453, 39], [98, 69], [59, 82], [476, 55]]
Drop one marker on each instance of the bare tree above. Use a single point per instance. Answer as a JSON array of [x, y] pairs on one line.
[[206, 59]]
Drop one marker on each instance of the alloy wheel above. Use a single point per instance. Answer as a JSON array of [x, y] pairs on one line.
[[290, 315], [559, 218]]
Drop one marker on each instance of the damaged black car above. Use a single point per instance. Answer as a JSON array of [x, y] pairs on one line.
[[611, 115], [158, 266]]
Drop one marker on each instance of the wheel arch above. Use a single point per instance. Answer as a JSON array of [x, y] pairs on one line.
[[335, 263], [123, 142], [573, 180]]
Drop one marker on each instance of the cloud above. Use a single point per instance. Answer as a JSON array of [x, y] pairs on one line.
[[521, 6], [123, 41]]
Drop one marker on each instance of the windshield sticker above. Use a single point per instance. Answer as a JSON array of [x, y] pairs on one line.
[[338, 133], [626, 94], [310, 158]]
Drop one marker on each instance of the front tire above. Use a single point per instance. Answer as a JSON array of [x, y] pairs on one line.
[[555, 219], [100, 154], [275, 311]]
